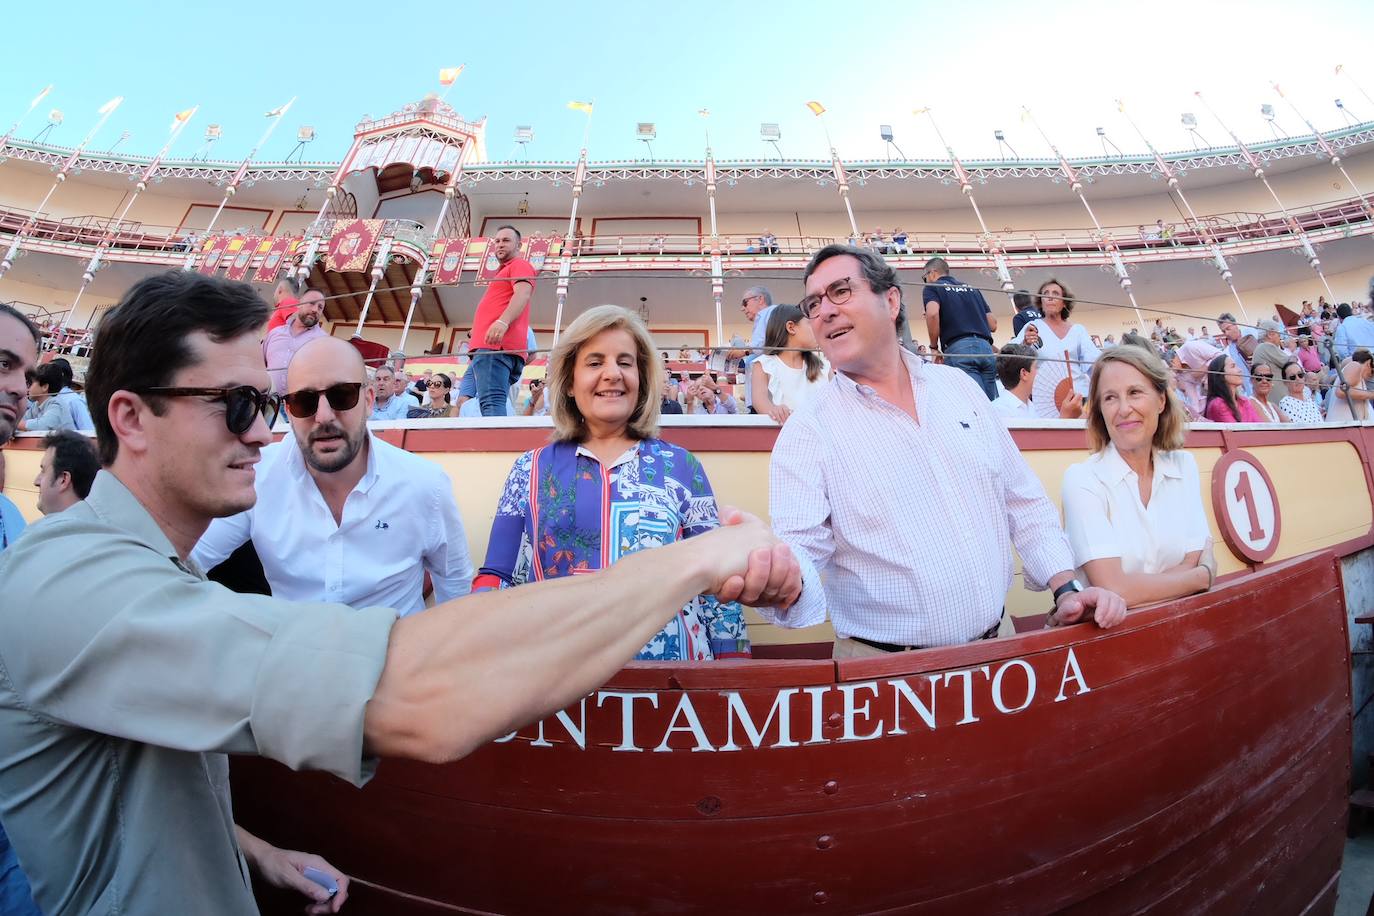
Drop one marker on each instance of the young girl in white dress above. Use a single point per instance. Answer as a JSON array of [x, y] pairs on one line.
[[790, 372]]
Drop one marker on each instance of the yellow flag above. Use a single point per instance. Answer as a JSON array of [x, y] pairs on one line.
[[1120, 106], [1339, 68], [704, 112], [448, 74], [181, 117], [581, 106], [817, 108], [111, 105], [920, 111]]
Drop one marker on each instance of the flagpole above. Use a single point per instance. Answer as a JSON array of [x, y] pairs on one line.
[[1327, 149], [8, 261], [1340, 68], [966, 186], [836, 168], [565, 263], [1104, 242], [717, 275], [88, 274], [238, 177], [4, 141], [1218, 259], [1313, 261], [378, 269]]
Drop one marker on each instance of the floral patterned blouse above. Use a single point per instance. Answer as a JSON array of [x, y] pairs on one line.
[[563, 513]]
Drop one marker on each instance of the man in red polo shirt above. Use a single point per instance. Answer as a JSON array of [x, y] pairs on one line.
[[501, 325], [285, 298]]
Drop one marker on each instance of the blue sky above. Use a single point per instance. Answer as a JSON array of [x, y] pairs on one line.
[[747, 63]]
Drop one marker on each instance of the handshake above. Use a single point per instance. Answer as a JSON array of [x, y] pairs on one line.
[[742, 560]]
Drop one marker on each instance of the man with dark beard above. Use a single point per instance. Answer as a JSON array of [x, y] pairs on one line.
[[341, 515], [283, 342]]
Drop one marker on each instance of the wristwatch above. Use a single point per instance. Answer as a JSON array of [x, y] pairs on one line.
[[1073, 585]]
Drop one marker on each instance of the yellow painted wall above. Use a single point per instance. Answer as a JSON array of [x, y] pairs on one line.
[[1321, 488]]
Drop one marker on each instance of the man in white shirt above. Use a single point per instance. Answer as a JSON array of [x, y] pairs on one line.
[[341, 515], [901, 486], [1016, 368]]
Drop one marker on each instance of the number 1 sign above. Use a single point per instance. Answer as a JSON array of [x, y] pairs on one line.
[[1246, 506]]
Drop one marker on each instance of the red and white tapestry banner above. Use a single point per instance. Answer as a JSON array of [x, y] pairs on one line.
[[536, 251], [242, 259], [447, 258], [210, 253], [350, 247], [273, 252]]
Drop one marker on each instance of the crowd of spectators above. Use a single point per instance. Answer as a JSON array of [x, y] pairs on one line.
[[349, 528]]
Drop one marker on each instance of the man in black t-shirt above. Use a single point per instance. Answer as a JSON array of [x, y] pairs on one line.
[[1026, 310], [960, 324]]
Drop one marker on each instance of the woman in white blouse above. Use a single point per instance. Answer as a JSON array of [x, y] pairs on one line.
[[791, 371], [1133, 510], [1059, 336], [1297, 407]]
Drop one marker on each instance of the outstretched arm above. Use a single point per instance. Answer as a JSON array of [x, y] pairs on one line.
[[463, 673]]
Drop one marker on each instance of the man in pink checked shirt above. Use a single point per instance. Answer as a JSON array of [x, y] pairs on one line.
[[900, 484]]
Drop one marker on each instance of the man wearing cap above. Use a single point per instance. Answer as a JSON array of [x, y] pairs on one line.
[[1271, 353]]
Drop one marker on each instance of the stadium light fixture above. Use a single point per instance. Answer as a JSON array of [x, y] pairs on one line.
[[771, 133]]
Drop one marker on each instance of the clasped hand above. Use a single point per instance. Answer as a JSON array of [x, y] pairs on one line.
[[746, 562], [1107, 608]]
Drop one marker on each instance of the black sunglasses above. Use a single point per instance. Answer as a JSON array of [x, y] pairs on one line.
[[242, 405], [341, 396]]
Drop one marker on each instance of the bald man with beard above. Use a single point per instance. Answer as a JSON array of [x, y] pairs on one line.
[[341, 515]]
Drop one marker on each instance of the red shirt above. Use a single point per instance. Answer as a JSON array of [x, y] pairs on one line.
[[494, 303], [282, 313]]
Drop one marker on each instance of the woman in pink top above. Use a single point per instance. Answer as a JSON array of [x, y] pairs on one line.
[[1190, 371], [1226, 403]]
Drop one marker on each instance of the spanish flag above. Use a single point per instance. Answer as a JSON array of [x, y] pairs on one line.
[[581, 106], [448, 74], [817, 108], [278, 112], [181, 117]]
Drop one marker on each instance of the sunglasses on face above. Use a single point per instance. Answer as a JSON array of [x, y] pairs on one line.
[[837, 292], [435, 383], [341, 396], [242, 405], [1263, 377]]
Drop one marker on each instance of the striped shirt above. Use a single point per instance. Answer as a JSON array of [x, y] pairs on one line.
[[910, 523]]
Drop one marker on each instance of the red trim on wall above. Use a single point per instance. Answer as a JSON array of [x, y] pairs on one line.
[[482, 230], [228, 206], [636, 219]]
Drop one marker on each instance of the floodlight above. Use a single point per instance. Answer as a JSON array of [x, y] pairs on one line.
[[305, 134], [885, 132], [524, 133], [1189, 120], [1267, 111], [212, 132], [646, 131], [1101, 132], [772, 133], [999, 136]]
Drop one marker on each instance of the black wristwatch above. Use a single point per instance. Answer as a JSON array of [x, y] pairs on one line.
[[1073, 585]]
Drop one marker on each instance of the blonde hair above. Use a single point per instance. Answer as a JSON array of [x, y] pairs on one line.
[[567, 419], [1173, 419]]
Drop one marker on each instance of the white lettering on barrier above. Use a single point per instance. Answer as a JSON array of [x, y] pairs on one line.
[[1072, 663], [686, 710], [851, 710], [902, 689], [858, 717], [997, 685], [735, 709], [577, 732], [967, 675], [627, 716], [817, 723]]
